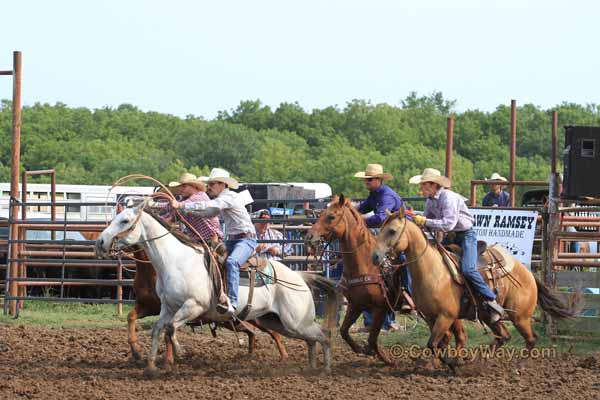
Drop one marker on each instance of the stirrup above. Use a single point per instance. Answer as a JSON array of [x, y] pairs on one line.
[[226, 309], [495, 310], [244, 313], [407, 304]]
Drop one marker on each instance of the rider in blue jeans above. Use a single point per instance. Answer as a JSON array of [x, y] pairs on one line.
[[241, 235], [381, 198], [446, 211]]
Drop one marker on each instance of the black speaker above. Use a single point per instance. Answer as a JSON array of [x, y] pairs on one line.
[[581, 162]]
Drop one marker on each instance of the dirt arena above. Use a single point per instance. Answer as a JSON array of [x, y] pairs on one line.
[[39, 363]]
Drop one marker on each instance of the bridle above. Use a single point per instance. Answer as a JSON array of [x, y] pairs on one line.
[[325, 240], [391, 253], [126, 232]]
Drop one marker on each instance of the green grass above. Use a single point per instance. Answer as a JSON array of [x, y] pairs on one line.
[[68, 315]]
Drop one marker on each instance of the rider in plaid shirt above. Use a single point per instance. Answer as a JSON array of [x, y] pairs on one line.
[[193, 190]]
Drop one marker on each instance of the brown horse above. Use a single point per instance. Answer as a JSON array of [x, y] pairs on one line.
[[438, 297], [147, 304], [361, 277]]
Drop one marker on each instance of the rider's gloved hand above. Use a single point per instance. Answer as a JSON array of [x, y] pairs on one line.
[[419, 220]]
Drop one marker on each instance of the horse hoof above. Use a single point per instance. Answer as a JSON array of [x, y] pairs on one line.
[[151, 372], [136, 356], [179, 352], [169, 368]]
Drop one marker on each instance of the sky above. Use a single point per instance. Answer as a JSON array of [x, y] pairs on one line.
[[200, 57]]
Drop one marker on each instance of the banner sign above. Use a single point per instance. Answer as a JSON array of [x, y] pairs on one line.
[[512, 229]]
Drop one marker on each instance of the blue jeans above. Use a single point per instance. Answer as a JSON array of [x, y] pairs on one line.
[[468, 242], [239, 251], [405, 279], [389, 319]]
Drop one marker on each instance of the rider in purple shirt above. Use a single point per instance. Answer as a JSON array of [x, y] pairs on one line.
[[382, 198]]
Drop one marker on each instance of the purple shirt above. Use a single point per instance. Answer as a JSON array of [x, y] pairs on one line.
[[447, 212], [384, 198], [501, 200]]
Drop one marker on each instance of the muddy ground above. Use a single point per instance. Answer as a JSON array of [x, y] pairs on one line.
[[40, 363]]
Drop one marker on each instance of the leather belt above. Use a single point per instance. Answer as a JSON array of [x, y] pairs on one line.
[[242, 236]]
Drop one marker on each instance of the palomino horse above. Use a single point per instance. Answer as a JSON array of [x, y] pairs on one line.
[[361, 277], [147, 304], [438, 296], [186, 292]]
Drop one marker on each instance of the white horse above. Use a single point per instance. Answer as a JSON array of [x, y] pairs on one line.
[[186, 291]]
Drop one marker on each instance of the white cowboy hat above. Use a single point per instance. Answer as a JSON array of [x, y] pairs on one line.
[[496, 177], [220, 175], [188, 179], [373, 171], [431, 175]]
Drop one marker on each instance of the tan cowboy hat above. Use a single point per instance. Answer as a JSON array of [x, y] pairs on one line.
[[496, 177], [221, 175], [373, 171], [188, 179], [431, 175]]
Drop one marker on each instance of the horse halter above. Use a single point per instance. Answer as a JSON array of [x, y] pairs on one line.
[[126, 232], [327, 239]]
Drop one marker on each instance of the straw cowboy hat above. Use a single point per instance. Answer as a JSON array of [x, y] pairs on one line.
[[220, 175], [431, 175], [188, 179], [373, 171], [496, 177]]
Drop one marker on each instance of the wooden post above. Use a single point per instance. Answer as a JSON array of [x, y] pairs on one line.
[[552, 242], [513, 150], [14, 174]]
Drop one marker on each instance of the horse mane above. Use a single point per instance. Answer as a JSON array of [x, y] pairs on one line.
[[360, 221], [390, 218]]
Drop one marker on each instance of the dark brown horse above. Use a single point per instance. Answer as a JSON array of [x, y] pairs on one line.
[[147, 304], [438, 296], [361, 277]]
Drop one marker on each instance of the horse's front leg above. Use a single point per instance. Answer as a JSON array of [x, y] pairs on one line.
[[136, 351], [156, 331], [439, 332], [378, 317], [352, 314], [189, 311]]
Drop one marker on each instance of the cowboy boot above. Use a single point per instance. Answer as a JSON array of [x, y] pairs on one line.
[[407, 305], [495, 310]]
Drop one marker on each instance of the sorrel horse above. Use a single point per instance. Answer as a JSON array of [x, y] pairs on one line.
[[147, 304], [361, 277], [438, 296], [185, 288]]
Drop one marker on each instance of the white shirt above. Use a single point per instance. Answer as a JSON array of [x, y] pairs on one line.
[[232, 208], [272, 234]]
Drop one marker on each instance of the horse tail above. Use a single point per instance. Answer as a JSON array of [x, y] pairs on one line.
[[333, 295], [556, 306]]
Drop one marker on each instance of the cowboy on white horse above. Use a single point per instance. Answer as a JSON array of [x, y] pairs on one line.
[[241, 236]]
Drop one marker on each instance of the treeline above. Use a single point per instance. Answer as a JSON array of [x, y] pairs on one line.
[[261, 144]]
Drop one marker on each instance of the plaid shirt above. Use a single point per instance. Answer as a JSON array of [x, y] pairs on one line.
[[272, 234], [206, 227]]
